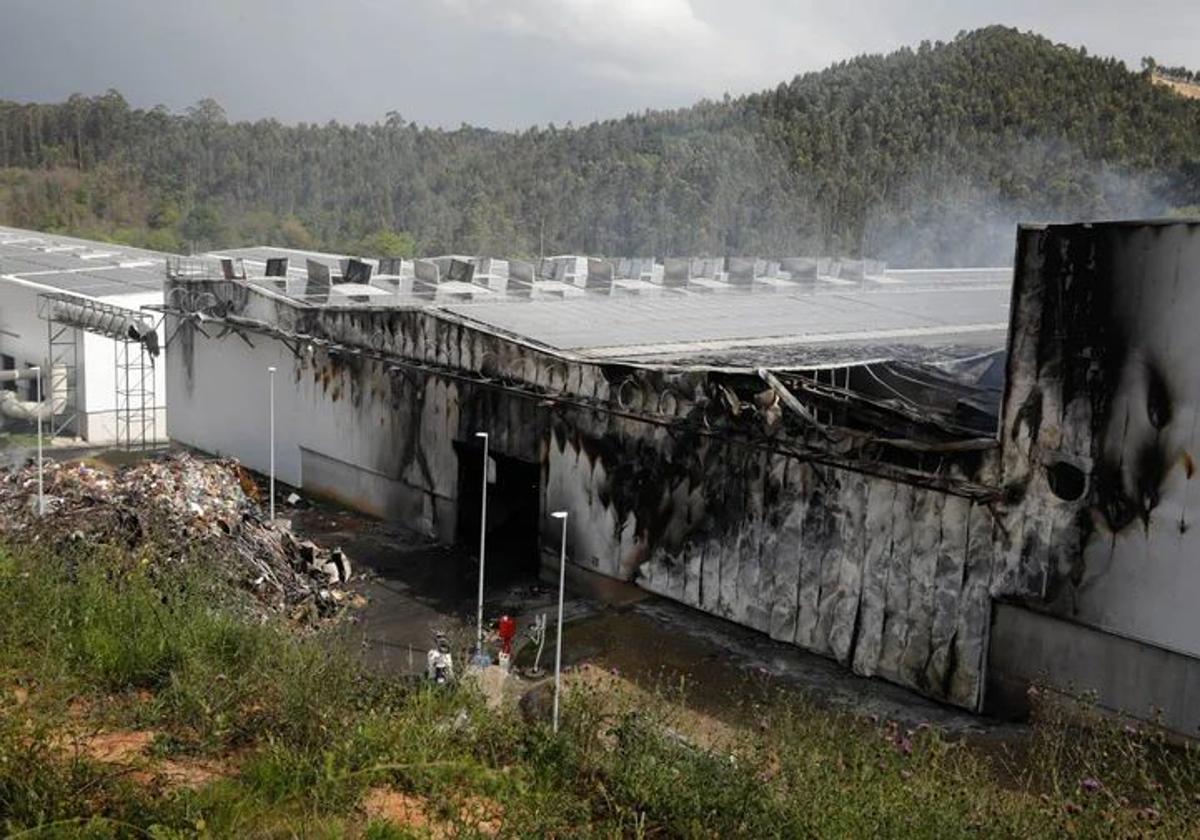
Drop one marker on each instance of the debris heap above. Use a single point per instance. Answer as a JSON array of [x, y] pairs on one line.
[[183, 506]]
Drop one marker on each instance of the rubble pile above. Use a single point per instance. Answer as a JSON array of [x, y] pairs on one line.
[[185, 506]]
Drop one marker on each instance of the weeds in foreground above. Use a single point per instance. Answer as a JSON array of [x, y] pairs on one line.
[[94, 638]]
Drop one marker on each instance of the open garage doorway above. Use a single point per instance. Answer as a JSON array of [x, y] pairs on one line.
[[513, 517]]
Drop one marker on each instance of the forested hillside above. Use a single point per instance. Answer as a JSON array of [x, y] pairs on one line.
[[925, 156]]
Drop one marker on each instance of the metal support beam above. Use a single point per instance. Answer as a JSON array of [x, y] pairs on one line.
[[789, 399]]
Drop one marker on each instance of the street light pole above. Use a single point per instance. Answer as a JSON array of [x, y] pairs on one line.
[[271, 491], [562, 577], [37, 378], [482, 549]]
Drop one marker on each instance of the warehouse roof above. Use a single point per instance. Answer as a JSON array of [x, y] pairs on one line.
[[78, 266], [638, 314], [919, 320]]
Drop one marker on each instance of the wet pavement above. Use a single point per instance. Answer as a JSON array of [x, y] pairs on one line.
[[414, 586]]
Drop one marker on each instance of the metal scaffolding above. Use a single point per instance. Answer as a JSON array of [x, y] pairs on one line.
[[135, 339], [136, 421], [61, 379]]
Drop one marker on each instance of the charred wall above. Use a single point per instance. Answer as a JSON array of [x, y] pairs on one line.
[[693, 483], [888, 578], [1100, 430]]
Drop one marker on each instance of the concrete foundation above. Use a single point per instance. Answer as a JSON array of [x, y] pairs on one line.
[[1121, 674]]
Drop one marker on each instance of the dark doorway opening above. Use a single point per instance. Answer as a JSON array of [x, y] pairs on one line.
[[513, 515]]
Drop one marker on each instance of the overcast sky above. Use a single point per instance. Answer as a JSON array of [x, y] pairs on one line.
[[507, 63]]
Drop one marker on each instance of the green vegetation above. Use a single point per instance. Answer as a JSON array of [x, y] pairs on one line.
[[1178, 73], [927, 155], [242, 729], [18, 440]]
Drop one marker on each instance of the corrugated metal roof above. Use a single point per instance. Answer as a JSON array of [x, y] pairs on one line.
[[915, 312], [79, 266]]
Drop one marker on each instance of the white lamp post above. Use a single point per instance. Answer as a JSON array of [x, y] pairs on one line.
[[562, 576], [271, 491], [37, 378], [482, 549]]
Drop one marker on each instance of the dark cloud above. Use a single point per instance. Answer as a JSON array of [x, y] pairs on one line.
[[503, 63]]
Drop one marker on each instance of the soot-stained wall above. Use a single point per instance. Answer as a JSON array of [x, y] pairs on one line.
[[673, 480], [1100, 430], [888, 578]]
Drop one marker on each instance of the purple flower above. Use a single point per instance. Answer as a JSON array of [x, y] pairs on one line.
[[1091, 785]]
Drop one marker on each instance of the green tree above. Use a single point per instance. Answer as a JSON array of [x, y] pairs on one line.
[[295, 235], [203, 227], [387, 243]]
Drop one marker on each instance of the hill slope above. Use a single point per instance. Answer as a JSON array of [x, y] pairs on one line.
[[926, 155]]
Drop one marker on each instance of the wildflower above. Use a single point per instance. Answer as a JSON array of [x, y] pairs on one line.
[[1091, 785]]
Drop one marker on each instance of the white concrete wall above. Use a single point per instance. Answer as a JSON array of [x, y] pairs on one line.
[[22, 333], [223, 406], [218, 394], [97, 377], [97, 389]]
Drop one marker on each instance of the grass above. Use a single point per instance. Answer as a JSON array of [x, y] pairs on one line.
[[95, 638], [18, 440]]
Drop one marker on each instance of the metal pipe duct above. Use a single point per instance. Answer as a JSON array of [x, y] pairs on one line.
[[111, 321], [18, 409], [17, 375], [53, 403]]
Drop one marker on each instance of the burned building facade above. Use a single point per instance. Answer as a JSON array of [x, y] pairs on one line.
[[1099, 563], [897, 472], [836, 500]]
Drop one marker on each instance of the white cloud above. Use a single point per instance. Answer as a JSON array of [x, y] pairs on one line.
[[655, 41]]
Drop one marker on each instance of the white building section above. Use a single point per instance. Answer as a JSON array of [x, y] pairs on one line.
[[62, 301]]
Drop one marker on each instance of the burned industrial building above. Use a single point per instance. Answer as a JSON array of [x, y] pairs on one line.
[[889, 468], [958, 480], [803, 452]]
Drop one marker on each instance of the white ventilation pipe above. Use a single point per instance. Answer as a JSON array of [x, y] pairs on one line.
[[15, 408], [18, 409], [112, 322], [17, 375]]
